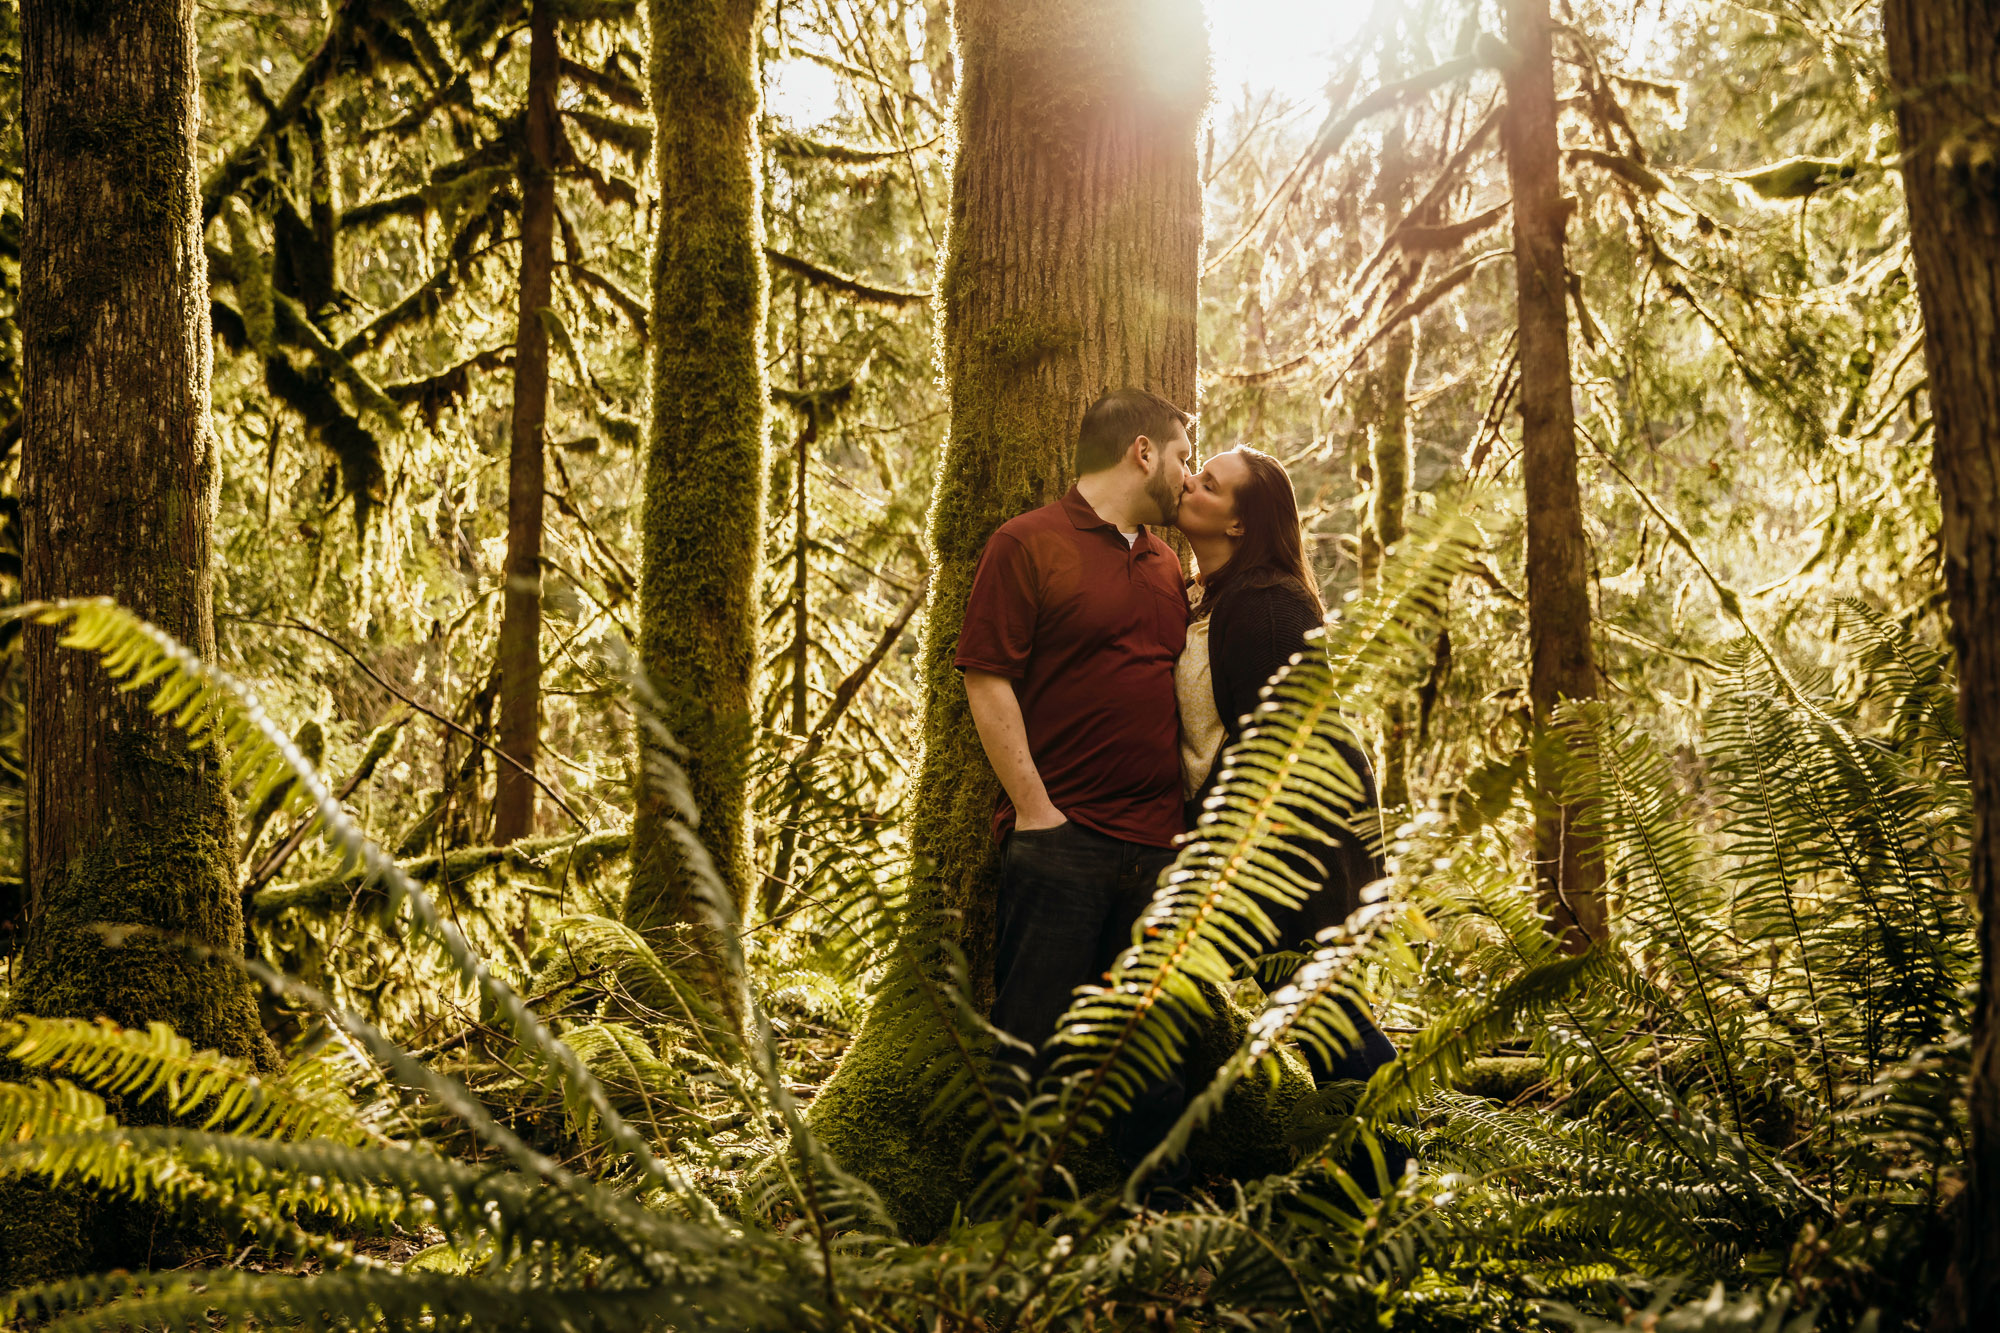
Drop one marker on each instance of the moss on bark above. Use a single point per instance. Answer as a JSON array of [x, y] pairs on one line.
[[703, 521], [1071, 266], [880, 1121], [131, 866]]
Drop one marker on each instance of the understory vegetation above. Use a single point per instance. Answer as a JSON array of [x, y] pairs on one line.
[[503, 1102], [1753, 1085]]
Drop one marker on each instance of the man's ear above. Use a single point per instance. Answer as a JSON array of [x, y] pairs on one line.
[[1142, 452]]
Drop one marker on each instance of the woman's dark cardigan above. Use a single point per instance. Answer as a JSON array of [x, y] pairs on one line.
[[1253, 631]]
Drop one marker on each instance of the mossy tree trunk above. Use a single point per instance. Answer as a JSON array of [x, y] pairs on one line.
[[703, 522], [1385, 410], [521, 623], [1388, 502], [1071, 267], [125, 825], [1559, 658], [1944, 60]]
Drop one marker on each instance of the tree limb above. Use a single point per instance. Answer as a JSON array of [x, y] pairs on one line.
[[429, 712], [798, 148], [627, 304], [620, 91], [840, 282]]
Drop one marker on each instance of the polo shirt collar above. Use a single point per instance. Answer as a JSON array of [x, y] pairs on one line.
[[1084, 518]]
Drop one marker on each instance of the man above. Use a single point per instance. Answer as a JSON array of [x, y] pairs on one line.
[[1076, 616]]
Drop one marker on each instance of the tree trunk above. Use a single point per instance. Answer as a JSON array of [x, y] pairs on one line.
[[1384, 410], [1559, 660], [1389, 460], [521, 623], [703, 522], [1071, 267], [125, 824], [785, 866], [1944, 60]]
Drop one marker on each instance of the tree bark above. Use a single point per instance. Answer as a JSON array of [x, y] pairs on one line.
[[1071, 267], [1559, 657], [703, 521], [1944, 62], [521, 622], [1385, 410], [125, 825], [1389, 460], [786, 864]]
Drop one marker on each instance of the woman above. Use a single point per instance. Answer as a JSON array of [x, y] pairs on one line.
[[1255, 600]]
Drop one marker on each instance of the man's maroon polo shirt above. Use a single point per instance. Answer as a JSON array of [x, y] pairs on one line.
[[1088, 629]]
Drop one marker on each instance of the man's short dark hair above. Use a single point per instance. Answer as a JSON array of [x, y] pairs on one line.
[[1118, 417]]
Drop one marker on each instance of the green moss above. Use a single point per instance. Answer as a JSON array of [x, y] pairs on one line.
[[1017, 341], [138, 927], [1504, 1078], [1252, 1135], [122, 925], [702, 526], [141, 232], [875, 1119]]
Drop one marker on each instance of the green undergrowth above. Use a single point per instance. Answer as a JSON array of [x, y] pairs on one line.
[[1745, 1106]]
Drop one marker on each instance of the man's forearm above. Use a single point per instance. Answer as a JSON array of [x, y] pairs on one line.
[[996, 712]]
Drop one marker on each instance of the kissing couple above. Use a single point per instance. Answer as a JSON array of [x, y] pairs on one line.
[[1105, 690]]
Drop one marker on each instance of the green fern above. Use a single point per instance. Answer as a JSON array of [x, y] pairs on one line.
[[1737, 1085]]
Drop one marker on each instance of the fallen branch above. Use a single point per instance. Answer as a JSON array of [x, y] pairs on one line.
[[540, 856]]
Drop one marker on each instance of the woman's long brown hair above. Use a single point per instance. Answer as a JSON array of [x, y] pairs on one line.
[[1272, 550]]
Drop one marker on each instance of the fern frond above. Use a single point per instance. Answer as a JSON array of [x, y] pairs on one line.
[[44, 1108], [305, 1103], [1288, 778], [704, 1290], [219, 711], [1654, 858], [1923, 693]]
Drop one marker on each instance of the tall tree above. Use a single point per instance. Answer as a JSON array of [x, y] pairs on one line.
[[1944, 60], [1071, 266], [703, 522], [521, 625], [126, 827], [1384, 411], [1559, 658]]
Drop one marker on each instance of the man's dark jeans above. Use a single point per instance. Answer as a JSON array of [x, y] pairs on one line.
[[1068, 898]]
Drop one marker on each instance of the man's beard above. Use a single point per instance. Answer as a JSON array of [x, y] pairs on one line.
[[1166, 496]]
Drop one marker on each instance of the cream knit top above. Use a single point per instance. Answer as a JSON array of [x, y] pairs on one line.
[[1201, 725]]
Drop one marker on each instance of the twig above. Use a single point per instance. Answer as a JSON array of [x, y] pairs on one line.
[[296, 839], [465, 1034], [844, 693], [426, 710]]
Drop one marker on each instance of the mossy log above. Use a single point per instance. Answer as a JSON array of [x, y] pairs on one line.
[[544, 858], [1071, 267]]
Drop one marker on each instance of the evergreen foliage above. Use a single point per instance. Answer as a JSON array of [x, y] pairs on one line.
[[1699, 1127], [501, 1104]]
